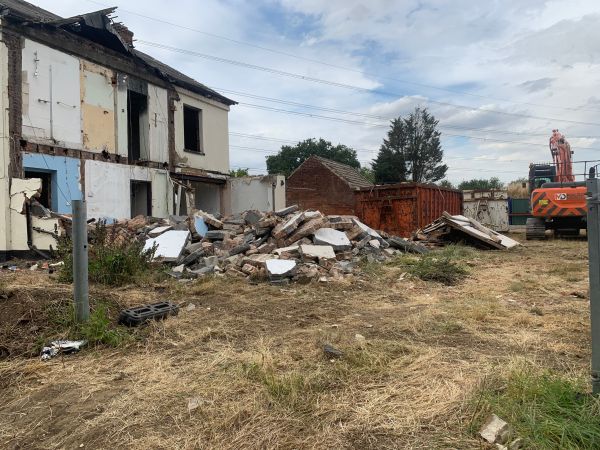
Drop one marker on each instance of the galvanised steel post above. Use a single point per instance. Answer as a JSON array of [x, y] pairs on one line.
[[80, 261], [593, 235]]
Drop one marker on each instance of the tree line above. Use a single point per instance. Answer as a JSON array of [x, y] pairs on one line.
[[411, 151]]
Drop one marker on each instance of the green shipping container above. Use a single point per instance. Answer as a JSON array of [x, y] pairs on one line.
[[519, 209]]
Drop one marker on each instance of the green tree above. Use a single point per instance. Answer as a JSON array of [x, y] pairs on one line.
[[412, 150], [368, 174], [238, 173], [446, 184], [290, 157], [481, 184]]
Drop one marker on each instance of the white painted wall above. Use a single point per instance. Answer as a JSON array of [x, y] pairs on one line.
[[42, 67], [215, 133], [108, 191], [158, 118], [256, 193]]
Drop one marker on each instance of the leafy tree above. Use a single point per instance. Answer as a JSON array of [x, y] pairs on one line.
[[481, 184], [446, 184], [368, 174], [290, 157], [238, 173], [412, 150]]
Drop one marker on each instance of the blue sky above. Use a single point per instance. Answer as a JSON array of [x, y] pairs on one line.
[[499, 76]]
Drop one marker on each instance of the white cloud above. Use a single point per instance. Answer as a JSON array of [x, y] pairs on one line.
[[541, 55]]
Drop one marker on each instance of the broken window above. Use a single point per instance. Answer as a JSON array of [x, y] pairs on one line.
[[192, 129], [141, 198], [137, 126], [45, 197]]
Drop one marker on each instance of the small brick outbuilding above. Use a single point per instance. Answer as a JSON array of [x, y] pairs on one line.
[[326, 185]]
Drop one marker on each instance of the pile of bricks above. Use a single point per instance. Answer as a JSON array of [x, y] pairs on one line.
[[281, 246]]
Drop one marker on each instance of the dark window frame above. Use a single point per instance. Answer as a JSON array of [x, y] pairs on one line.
[[199, 130]]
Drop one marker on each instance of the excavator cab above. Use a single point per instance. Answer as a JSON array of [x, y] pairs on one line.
[[540, 174]]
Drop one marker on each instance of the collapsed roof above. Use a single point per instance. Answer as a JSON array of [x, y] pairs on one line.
[[100, 28]]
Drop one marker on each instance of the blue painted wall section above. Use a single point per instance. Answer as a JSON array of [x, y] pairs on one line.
[[66, 183]]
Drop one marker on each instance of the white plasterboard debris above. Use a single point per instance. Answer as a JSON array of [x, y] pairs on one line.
[[317, 251], [337, 239], [169, 244], [280, 267]]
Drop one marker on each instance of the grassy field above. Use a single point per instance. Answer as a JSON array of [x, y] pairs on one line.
[[424, 360]]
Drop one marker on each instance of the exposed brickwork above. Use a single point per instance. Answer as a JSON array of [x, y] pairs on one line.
[[314, 186], [14, 44]]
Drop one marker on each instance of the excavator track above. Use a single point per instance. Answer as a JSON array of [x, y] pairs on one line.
[[535, 228]]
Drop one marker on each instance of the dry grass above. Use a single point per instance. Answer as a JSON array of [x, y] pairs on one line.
[[245, 368]]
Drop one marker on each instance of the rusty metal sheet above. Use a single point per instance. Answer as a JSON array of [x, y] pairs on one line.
[[401, 209]]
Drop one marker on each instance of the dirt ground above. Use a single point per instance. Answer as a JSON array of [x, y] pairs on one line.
[[245, 368]]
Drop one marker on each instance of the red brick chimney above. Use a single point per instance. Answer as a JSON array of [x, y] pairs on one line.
[[124, 32]]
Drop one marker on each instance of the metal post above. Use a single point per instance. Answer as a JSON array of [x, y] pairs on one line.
[[80, 261], [593, 235]]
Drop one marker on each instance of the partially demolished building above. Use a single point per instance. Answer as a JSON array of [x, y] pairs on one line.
[[86, 115]]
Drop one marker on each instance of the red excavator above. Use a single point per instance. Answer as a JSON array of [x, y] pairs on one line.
[[557, 200]]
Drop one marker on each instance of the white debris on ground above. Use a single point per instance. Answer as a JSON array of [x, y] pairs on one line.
[[282, 245]]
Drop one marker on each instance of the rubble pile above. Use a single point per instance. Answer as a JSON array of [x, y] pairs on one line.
[[449, 229], [283, 245]]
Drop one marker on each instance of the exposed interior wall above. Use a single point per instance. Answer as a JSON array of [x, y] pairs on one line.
[[207, 197], [158, 126], [121, 114], [65, 175], [97, 107], [214, 129], [20, 191], [112, 199], [260, 193], [51, 96]]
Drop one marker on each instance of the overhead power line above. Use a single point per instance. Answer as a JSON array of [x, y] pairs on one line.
[[336, 66], [352, 87], [378, 117]]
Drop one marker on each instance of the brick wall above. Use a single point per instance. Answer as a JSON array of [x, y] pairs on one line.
[[313, 186]]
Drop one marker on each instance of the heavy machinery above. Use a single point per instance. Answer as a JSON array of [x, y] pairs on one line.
[[557, 200]]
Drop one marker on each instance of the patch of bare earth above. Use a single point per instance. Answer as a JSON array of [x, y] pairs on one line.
[[245, 367]]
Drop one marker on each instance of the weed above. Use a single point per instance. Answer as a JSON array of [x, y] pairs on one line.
[[443, 266], [546, 410], [99, 329], [113, 261]]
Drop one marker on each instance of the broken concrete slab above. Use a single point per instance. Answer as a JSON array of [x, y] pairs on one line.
[[280, 268], [169, 245], [367, 229], [286, 228], [285, 211], [306, 229], [159, 230], [317, 251], [210, 219], [336, 239]]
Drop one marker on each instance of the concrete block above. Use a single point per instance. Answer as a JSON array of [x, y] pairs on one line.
[[252, 217], [210, 219], [336, 239], [495, 430], [366, 229], [285, 211], [293, 250], [159, 230], [239, 249], [317, 251], [216, 235]]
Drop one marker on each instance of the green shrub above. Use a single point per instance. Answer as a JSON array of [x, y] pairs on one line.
[[98, 329], [112, 260], [546, 410]]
